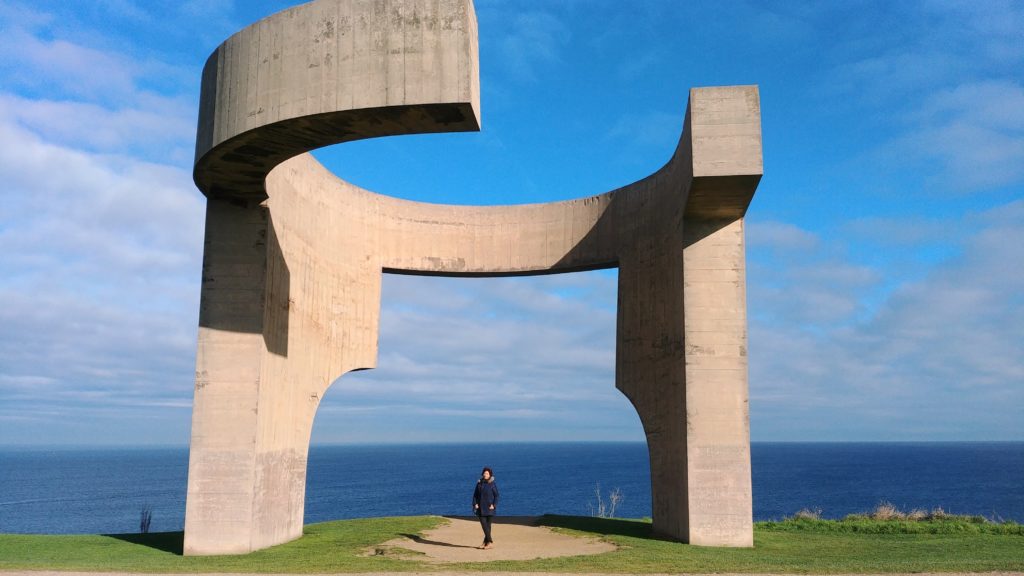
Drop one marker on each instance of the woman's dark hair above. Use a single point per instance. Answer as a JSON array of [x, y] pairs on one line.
[[487, 469]]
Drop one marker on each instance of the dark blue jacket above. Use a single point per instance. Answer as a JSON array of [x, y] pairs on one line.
[[486, 493]]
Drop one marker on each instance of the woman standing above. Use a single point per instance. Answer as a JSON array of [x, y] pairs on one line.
[[485, 503]]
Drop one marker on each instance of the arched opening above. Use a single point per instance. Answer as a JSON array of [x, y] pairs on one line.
[[517, 373]]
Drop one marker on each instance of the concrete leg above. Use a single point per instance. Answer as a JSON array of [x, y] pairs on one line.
[[681, 360], [222, 455], [651, 373], [252, 418], [717, 398]]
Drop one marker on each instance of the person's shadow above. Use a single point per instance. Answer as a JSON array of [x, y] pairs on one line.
[[421, 540]]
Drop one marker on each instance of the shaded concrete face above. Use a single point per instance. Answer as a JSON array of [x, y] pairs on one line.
[[294, 256]]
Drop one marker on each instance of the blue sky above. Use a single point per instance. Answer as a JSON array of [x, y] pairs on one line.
[[885, 242]]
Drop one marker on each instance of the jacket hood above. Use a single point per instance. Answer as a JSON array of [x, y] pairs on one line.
[[481, 480]]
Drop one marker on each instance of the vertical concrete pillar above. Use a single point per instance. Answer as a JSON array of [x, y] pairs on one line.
[[681, 360], [681, 354], [270, 344], [717, 408], [651, 373], [222, 454], [724, 127]]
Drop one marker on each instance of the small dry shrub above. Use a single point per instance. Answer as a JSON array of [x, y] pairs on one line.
[[145, 519], [917, 515], [886, 511], [808, 514]]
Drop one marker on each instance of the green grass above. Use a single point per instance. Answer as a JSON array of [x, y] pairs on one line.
[[791, 546], [327, 547], [863, 525]]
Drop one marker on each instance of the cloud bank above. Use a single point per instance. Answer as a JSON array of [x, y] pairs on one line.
[[884, 293]]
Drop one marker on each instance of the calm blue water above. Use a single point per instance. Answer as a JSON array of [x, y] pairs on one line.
[[103, 491]]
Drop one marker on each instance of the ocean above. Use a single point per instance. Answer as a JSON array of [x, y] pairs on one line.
[[69, 491]]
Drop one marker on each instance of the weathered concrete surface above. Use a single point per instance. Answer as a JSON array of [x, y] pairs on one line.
[[294, 256]]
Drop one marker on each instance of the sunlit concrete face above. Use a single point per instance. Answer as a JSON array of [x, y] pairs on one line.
[[294, 256]]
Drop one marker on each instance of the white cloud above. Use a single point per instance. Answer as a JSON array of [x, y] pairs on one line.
[[124, 9], [530, 41], [99, 282], [644, 64], [158, 127], [50, 65], [906, 231], [988, 29], [890, 79], [774, 235], [972, 134], [993, 104], [115, 213], [947, 89], [208, 8], [535, 352], [642, 132], [941, 359], [813, 293], [14, 15], [796, 278], [101, 231]]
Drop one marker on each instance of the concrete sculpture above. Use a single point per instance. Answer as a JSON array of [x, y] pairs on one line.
[[294, 257]]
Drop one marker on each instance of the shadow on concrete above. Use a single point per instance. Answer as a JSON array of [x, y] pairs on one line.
[[170, 542], [603, 526], [246, 280], [278, 294]]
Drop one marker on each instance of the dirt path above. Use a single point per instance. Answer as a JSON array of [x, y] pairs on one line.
[[515, 538]]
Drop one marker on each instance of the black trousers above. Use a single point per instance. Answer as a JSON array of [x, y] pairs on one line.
[[485, 523]]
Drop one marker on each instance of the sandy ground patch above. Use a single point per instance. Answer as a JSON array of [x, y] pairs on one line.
[[515, 538]]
